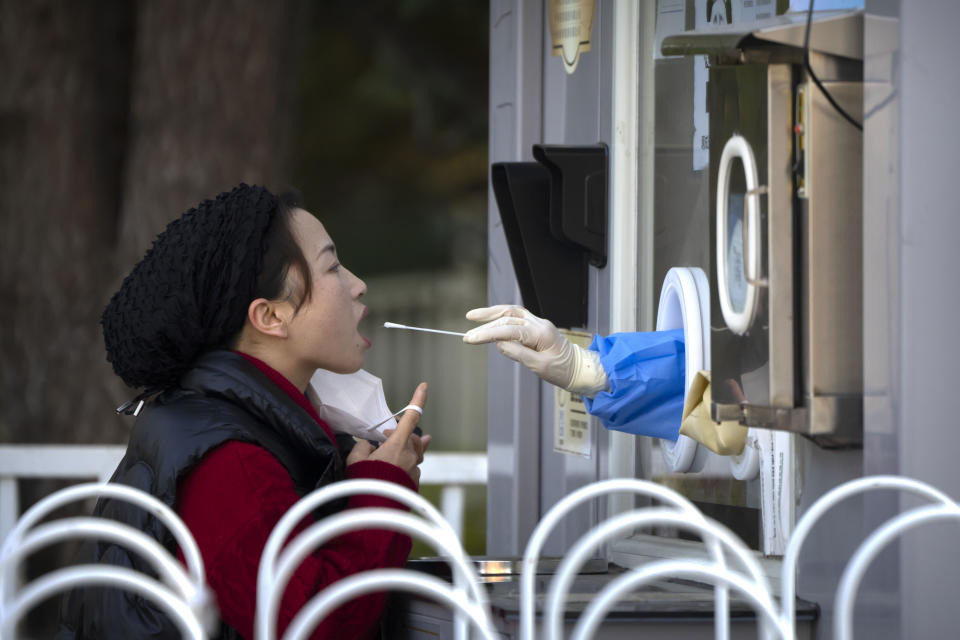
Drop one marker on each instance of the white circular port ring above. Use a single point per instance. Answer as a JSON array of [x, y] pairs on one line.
[[703, 295], [688, 289], [738, 147]]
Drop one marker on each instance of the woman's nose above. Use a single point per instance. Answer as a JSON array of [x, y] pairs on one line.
[[360, 287]]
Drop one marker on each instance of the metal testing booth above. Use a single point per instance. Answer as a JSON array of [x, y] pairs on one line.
[[686, 171]]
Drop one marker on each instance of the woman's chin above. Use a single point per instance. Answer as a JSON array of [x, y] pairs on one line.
[[357, 364]]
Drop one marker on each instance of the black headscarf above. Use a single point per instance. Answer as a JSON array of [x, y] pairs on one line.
[[191, 290]]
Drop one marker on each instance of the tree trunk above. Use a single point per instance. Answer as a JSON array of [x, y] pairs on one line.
[[115, 117], [213, 104], [63, 122]]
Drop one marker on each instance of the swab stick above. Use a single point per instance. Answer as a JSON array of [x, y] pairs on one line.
[[394, 325]]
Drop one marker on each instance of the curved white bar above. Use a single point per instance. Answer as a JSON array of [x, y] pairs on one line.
[[147, 502], [578, 554], [538, 538], [305, 507], [868, 550], [360, 584], [378, 518], [169, 570], [465, 576], [595, 613], [98, 575], [156, 508], [803, 527]]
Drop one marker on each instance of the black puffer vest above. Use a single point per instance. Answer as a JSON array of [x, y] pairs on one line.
[[223, 397]]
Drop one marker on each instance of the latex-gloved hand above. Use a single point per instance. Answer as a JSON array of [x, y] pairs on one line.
[[726, 438], [538, 345]]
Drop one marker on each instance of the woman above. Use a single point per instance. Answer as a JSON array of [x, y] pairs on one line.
[[222, 323]]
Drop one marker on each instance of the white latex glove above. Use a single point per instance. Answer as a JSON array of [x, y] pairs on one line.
[[538, 345]]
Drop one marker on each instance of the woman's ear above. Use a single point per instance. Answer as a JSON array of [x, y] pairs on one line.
[[270, 317]]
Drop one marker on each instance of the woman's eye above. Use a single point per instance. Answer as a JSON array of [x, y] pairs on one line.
[[335, 267]]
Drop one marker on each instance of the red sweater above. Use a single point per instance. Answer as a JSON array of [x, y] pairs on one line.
[[236, 495]]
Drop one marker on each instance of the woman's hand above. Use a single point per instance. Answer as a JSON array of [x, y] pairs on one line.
[[402, 447]]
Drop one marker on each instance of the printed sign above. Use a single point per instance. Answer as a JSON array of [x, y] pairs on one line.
[[572, 431]]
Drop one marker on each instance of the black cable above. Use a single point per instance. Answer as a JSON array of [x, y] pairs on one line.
[[806, 63]]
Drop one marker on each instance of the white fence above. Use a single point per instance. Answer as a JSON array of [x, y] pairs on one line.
[[731, 566], [452, 471]]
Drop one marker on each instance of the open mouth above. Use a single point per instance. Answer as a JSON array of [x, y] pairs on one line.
[[363, 315]]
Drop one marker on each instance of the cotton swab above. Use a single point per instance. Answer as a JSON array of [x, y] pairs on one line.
[[394, 325]]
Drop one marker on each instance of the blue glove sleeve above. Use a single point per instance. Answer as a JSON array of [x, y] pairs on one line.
[[646, 376]]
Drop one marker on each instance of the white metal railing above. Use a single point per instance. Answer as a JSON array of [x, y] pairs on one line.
[[277, 564], [452, 471], [466, 596], [622, 485], [76, 462], [752, 584], [181, 592]]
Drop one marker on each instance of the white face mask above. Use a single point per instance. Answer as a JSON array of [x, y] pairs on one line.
[[351, 403]]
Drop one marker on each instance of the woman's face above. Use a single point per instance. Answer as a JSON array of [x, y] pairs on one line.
[[324, 331]]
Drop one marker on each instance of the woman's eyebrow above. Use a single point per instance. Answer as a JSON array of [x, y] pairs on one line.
[[330, 247]]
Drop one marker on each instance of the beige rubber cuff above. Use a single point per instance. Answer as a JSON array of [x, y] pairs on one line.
[[589, 378]]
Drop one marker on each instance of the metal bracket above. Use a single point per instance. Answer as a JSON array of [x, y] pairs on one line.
[[578, 196], [554, 214]]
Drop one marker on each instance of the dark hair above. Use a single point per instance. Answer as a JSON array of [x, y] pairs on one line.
[[281, 253], [191, 290]]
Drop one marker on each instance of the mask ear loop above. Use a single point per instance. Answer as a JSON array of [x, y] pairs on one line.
[[409, 407]]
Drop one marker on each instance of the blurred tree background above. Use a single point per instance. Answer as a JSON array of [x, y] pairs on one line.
[[393, 131], [117, 115]]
